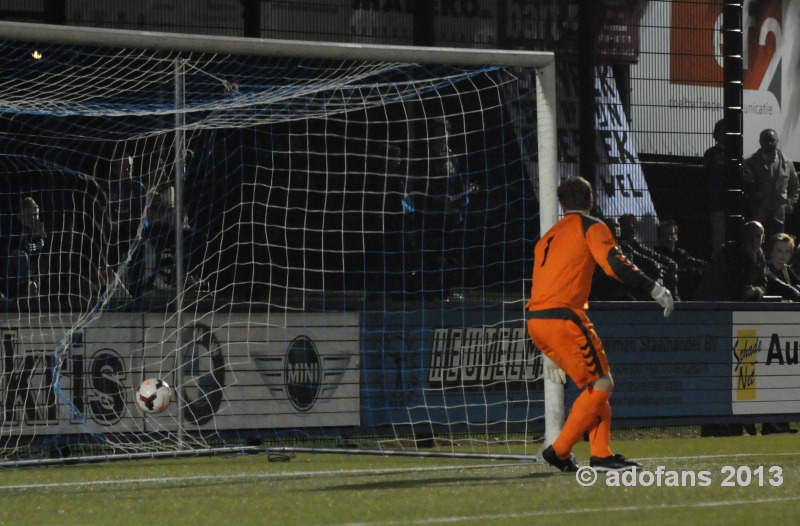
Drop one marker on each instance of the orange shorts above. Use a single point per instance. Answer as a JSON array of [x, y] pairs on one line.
[[567, 337]]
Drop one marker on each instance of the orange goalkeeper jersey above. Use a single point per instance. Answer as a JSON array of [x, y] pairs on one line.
[[564, 261]]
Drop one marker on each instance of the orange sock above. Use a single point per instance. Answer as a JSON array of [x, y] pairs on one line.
[[600, 436], [582, 417]]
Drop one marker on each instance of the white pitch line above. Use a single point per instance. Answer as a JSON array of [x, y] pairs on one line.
[[255, 476], [392, 471], [561, 511], [726, 455]]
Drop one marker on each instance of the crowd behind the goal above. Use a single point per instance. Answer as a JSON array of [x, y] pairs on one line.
[[742, 268], [61, 264]]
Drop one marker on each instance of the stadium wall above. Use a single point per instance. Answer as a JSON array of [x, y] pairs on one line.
[[358, 372]]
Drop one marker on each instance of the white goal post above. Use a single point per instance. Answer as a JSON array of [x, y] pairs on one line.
[[118, 106]]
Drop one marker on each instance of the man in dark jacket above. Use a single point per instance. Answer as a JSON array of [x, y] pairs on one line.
[[771, 184]]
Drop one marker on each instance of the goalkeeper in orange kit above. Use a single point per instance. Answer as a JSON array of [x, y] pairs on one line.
[[564, 260]]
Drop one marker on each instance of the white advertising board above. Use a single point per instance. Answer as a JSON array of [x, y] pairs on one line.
[[232, 371], [764, 362]]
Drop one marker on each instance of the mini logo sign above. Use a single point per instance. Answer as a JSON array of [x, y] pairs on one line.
[[302, 373]]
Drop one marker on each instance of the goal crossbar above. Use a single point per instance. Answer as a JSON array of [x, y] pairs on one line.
[[270, 47]]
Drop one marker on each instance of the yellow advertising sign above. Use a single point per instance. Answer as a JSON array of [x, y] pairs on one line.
[[745, 352]]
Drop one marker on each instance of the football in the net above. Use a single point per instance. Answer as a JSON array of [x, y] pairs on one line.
[[153, 395]]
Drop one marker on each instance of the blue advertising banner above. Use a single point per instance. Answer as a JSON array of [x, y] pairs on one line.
[[678, 366], [449, 366], [481, 368]]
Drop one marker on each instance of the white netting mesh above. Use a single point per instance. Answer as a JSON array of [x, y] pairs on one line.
[[332, 218]]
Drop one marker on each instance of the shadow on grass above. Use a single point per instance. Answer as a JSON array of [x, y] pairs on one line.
[[438, 481]]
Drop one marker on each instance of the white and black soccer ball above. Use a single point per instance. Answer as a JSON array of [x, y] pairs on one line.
[[153, 395]]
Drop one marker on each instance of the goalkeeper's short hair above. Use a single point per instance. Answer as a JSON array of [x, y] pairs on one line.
[[575, 193]]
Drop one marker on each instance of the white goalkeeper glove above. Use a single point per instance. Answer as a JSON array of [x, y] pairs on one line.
[[664, 298], [553, 372]]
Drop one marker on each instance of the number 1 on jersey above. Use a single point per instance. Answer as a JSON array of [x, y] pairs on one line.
[[546, 250]]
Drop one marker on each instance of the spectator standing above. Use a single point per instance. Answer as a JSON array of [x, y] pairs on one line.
[[24, 244], [70, 275], [125, 207], [771, 184], [126, 198], [159, 234], [435, 203], [689, 268], [717, 185]]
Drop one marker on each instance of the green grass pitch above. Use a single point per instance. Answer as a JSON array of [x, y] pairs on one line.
[[365, 490]]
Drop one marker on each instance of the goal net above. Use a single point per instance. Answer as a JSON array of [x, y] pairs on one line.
[[315, 246]]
